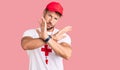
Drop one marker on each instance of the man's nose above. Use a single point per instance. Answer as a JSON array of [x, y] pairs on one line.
[[51, 20]]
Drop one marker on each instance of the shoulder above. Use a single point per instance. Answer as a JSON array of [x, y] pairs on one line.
[[67, 39], [67, 36], [30, 32]]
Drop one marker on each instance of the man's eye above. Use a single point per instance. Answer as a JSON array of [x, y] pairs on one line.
[[55, 18], [49, 15]]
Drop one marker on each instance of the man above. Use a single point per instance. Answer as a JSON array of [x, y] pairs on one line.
[[46, 46]]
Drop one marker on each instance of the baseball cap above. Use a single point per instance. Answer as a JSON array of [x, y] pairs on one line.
[[55, 6]]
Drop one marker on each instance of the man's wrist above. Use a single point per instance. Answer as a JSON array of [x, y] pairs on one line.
[[47, 39]]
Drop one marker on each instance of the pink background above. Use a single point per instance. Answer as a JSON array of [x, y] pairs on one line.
[[95, 35]]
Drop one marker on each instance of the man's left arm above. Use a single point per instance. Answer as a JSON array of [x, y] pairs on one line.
[[62, 49]]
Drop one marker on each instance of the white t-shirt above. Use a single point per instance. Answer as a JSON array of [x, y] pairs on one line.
[[37, 58]]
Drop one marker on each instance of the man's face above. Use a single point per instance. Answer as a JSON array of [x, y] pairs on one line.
[[51, 19]]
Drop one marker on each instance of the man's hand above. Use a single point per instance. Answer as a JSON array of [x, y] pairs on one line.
[[60, 34], [57, 36], [43, 25]]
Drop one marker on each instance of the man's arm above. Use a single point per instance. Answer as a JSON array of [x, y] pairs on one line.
[[63, 49], [29, 43]]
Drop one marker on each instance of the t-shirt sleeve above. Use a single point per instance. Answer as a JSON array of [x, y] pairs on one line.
[[29, 33], [67, 39]]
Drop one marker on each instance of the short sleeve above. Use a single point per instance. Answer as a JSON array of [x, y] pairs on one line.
[[31, 33], [67, 39]]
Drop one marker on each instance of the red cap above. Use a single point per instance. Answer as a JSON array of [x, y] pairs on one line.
[[55, 6]]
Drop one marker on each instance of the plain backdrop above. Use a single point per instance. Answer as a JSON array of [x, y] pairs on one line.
[[95, 34]]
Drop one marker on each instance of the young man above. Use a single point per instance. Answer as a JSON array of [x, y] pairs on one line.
[[47, 46]]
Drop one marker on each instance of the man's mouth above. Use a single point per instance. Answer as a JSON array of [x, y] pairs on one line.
[[49, 25], [49, 28]]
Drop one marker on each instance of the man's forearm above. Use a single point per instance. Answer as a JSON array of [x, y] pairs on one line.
[[60, 49], [30, 43]]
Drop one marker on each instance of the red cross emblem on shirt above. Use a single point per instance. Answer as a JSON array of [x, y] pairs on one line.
[[46, 49]]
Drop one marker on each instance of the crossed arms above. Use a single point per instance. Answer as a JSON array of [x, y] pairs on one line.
[[62, 49]]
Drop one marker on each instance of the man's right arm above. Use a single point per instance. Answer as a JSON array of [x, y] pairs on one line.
[[29, 43]]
